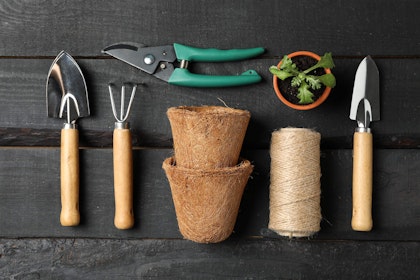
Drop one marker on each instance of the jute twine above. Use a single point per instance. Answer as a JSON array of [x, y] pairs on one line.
[[207, 201], [295, 186], [207, 137]]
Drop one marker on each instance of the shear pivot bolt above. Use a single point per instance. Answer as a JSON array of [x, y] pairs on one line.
[[149, 59]]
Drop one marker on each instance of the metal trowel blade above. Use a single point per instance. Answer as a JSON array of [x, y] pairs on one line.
[[66, 89]]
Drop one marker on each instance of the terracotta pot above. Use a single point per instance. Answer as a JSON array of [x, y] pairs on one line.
[[317, 102], [207, 201], [207, 137]]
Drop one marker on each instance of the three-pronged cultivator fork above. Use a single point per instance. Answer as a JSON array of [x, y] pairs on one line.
[[123, 161]]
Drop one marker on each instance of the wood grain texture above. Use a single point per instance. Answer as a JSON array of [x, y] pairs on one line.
[[123, 178], [34, 245], [23, 106], [362, 181], [178, 259], [30, 179], [39, 28], [69, 177], [28, 137]]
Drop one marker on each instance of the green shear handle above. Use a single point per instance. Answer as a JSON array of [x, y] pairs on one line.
[[214, 55], [182, 77]]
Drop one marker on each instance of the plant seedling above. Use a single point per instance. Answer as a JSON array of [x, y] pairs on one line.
[[302, 79]]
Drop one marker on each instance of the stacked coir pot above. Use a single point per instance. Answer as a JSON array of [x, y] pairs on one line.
[[206, 175]]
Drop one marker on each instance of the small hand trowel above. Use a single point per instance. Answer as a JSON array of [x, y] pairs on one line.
[[67, 98], [365, 108]]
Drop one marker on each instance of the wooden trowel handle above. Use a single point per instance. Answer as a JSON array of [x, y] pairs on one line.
[[123, 179], [70, 215], [362, 182]]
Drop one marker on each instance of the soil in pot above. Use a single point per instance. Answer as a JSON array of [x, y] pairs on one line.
[[289, 92]]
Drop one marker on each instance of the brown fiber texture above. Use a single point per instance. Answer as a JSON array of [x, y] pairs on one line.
[[295, 182], [207, 137], [207, 201]]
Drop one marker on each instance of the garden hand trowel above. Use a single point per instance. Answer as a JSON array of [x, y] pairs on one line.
[[67, 98], [365, 108]]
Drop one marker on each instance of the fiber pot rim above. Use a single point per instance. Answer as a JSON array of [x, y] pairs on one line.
[[207, 202], [170, 164], [317, 102], [208, 110]]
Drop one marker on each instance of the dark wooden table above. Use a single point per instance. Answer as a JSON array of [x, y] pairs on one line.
[[33, 245]]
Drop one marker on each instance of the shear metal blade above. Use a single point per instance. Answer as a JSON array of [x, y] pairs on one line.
[[147, 59]]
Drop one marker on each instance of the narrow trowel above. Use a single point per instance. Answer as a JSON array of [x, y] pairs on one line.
[[365, 108], [67, 98]]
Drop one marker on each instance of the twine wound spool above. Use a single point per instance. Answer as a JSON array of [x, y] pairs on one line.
[[295, 186]]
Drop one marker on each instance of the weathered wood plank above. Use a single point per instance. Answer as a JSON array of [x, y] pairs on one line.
[[23, 104], [177, 259], [33, 32], [30, 206], [39, 28], [28, 137]]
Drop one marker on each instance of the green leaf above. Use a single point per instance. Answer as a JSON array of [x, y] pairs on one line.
[[305, 95], [287, 64], [326, 61], [296, 81], [328, 80], [282, 75], [313, 82], [274, 70]]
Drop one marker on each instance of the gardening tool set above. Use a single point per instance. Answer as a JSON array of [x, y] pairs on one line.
[[206, 158]]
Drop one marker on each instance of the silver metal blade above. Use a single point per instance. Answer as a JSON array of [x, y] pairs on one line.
[[365, 103], [66, 89], [147, 59]]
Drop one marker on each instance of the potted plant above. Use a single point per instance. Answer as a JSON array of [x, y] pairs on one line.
[[303, 80]]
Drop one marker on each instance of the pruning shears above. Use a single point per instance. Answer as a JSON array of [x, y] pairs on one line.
[[170, 63]]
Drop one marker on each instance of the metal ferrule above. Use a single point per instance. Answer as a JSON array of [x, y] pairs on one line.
[[69, 126], [184, 64], [122, 125], [363, 129]]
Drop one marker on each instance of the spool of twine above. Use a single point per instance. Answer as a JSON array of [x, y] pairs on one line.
[[295, 187]]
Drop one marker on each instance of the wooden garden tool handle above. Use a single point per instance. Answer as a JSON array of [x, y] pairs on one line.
[[123, 179], [70, 215], [362, 182]]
